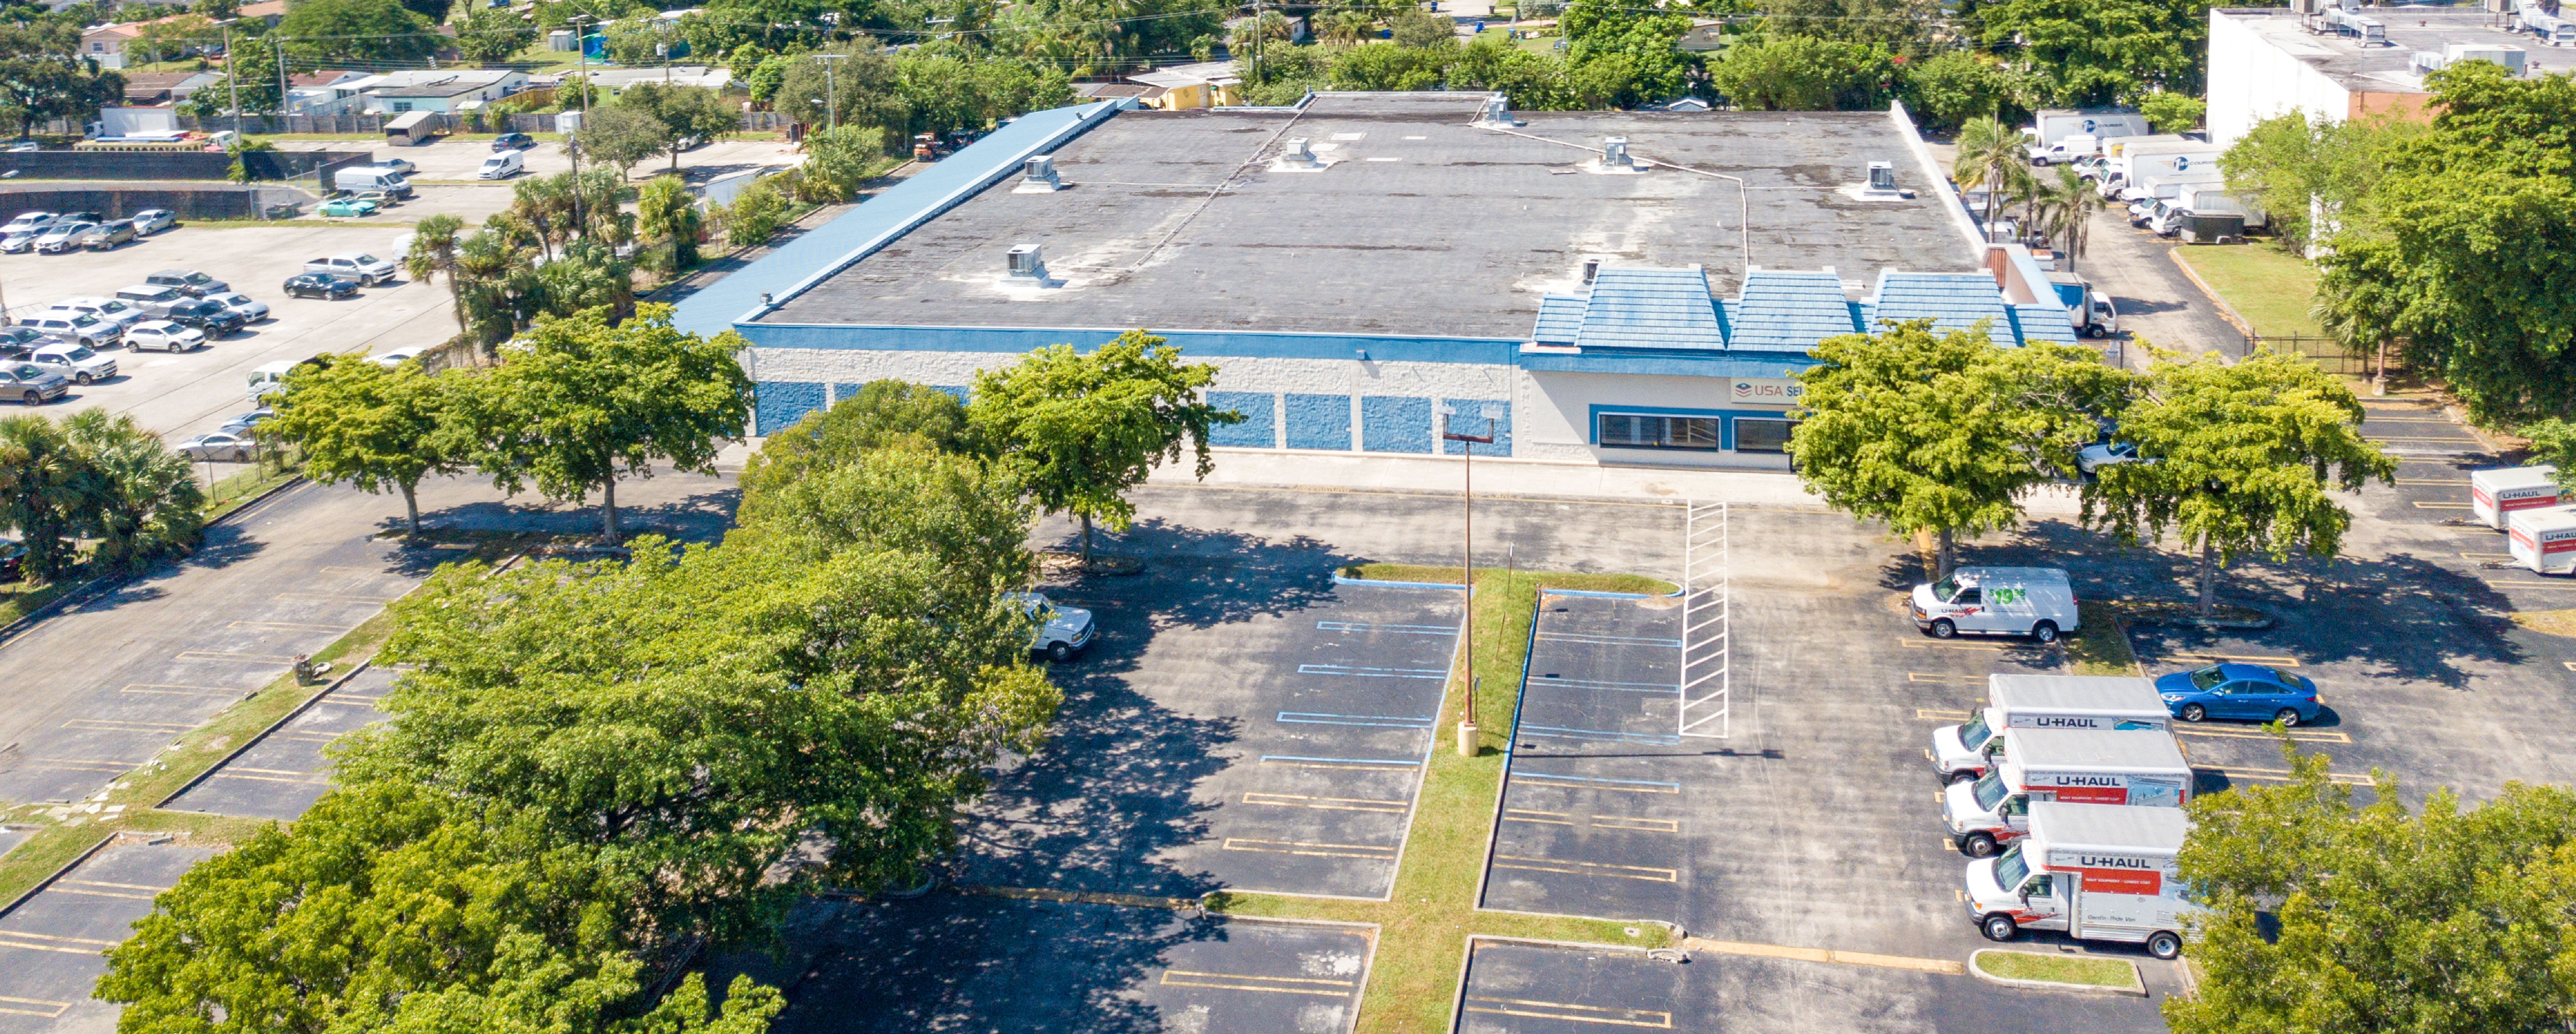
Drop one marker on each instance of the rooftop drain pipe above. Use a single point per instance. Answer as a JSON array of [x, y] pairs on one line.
[[1743, 200]]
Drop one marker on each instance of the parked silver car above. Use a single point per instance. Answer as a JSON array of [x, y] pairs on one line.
[[221, 447], [62, 237], [154, 220], [251, 311], [25, 384]]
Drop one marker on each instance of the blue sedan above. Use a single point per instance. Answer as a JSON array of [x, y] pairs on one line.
[[2248, 691]]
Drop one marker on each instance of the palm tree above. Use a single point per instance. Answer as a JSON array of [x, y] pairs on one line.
[[43, 485], [2070, 220], [1989, 152], [433, 251]]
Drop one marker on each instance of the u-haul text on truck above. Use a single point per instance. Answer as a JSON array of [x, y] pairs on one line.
[[1961, 752], [2096, 871], [2495, 493], [2076, 766]]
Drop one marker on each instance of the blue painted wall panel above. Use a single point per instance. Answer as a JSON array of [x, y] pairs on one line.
[[1391, 423], [1471, 420], [1257, 431], [843, 391], [961, 391], [1319, 422], [776, 404]]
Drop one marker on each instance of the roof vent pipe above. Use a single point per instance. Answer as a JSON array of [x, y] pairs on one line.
[[1027, 260], [1591, 270], [1038, 176]]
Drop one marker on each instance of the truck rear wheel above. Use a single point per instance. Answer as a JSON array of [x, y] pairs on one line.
[[1999, 927], [2164, 945], [2045, 631], [1980, 844]]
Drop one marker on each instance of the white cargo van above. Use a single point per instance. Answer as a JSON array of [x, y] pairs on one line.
[[2032, 601], [1962, 752], [2078, 766], [2099, 872], [501, 166], [373, 177], [2496, 492], [2544, 540]]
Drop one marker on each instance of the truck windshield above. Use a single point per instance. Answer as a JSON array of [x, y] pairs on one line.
[[1990, 789], [1973, 735], [2011, 869], [1944, 589]]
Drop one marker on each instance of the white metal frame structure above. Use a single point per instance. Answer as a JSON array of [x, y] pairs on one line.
[[1705, 677]]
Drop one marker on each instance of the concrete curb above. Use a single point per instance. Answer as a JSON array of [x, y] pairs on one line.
[[57, 874], [2217, 623], [264, 734], [2137, 983]]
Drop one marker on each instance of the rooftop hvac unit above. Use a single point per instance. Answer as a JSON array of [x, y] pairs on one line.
[[2422, 63], [2556, 28], [1614, 153], [1299, 155], [2511, 57], [1037, 176], [1027, 260], [1497, 111], [1882, 176]]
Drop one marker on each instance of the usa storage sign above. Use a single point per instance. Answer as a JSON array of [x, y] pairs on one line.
[[1765, 392]]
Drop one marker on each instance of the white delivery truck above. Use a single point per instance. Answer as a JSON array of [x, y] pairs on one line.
[[2544, 540], [2078, 766], [2496, 492], [2053, 125], [2166, 186], [2136, 160], [2099, 872], [2032, 601], [1960, 753]]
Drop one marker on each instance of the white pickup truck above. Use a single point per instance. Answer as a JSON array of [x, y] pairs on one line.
[[1062, 631]]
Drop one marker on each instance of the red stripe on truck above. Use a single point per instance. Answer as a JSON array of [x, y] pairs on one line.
[[2124, 881], [2093, 794]]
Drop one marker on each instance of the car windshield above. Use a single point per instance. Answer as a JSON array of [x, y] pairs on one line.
[[1990, 789], [78, 354], [366, 260], [198, 278], [2207, 677], [27, 372], [84, 320], [2011, 868], [1973, 735], [112, 306]]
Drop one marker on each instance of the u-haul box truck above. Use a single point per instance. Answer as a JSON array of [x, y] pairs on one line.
[[2075, 766], [2098, 872], [2496, 492], [2544, 540], [1961, 752]]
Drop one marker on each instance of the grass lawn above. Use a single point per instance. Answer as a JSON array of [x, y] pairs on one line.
[[1423, 928], [2100, 647], [2088, 970], [2546, 622], [2264, 283], [21, 596]]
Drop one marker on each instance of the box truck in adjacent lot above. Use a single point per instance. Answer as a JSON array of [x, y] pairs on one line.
[[2053, 125], [2078, 766], [1963, 752], [2098, 872], [2544, 540], [2032, 601], [2496, 492]]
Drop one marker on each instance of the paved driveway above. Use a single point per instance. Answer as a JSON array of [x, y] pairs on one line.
[[2156, 301]]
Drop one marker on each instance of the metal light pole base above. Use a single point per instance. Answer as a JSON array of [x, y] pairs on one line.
[[1466, 739]]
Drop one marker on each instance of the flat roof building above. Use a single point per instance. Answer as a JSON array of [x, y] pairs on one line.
[[1357, 263], [2349, 62]]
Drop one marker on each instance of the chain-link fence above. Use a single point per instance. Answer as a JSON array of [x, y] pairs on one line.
[[2328, 353]]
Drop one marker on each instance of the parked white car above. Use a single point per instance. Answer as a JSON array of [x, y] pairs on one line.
[[76, 328], [29, 222], [1062, 631], [251, 311], [2098, 455], [220, 446], [16, 241], [353, 265], [163, 336], [395, 358], [77, 362], [109, 309], [62, 237]]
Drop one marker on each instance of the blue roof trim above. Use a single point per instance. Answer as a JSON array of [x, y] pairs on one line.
[[1677, 363], [2043, 322], [827, 249], [1650, 308], [1196, 343], [1790, 310]]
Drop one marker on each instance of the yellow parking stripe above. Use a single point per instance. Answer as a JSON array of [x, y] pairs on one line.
[[244, 658], [2282, 775], [1925, 676], [1291, 800], [115, 725], [1651, 874], [1564, 818], [1945, 644], [288, 626], [56, 1011], [171, 689], [1309, 848], [1570, 1012], [1926, 714], [2441, 506], [2286, 662], [1252, 982], [1847, 958], [331, 597]]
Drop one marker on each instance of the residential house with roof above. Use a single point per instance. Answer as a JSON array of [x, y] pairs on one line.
[[439, 90], [1362, 264]]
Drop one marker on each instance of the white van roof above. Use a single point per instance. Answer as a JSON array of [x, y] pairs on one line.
[[2097, 750], [2109, 828], [2533, 476], [2074, 694], [1990, 575]]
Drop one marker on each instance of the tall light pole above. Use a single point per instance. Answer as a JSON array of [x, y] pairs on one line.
[[1467, 560], [572, 144], [232, 66], [831, 101]]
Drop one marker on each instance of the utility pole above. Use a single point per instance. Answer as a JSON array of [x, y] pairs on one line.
[[1467, 564], [280, 44], [831, 100], [232, 66], [572, 143]]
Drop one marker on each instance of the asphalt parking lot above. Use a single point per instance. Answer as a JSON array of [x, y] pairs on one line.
[[50, 945], [188, 392], [284, 772], [959, 962], [1256, 729]]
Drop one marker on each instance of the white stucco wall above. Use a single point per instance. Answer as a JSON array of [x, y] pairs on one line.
[[2253, 77]]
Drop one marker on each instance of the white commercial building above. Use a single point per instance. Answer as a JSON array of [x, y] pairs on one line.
[[2339, 63]]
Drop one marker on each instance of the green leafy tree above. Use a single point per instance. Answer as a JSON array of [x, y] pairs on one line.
[[2285, 162], [160, 40], [757, 211], [338, 33], [968, 516], [487, 35], [391, 907], [142, 501], [1797, 73], [251, 71], [863, 85], [362, 424], [2101, 51], [587, 403], [667, 215], [1990, 155], [1904, 27], [1947, 89], [689, 114], [44, 493], [885, 414], [433, 253], [620, 136], [838, 160], [2240, 459], [1641, 42], [590, 275], [2330, 915], [41, 79], [1418, 28], [2171, 112], [1944, 434], [1081, 429]]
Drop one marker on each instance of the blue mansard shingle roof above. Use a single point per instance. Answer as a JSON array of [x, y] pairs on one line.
[[1650, 308], [1952, 301], [1558, 318], [1779, 310], [1786, 310]]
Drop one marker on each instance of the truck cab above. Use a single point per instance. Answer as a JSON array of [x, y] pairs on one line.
[[2142, 767], [2093, 871]]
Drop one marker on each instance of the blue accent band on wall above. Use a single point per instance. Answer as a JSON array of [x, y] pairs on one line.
[[1391, 423], [1592, 421], [844, 391], [1257, 431], [958, 390], [1319, 422], [1471, 420], [776, 404]]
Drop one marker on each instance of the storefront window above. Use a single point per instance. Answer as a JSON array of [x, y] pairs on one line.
[[1626, 431], [1757, 435]]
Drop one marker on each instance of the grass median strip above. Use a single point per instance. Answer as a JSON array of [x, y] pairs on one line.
[[2079, 970], [1425, 923]]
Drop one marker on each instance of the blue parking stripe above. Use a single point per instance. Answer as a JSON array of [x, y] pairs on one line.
[[1363, 626], [1371, 673], [1623, 687], [1553, 732], [1383, 721]]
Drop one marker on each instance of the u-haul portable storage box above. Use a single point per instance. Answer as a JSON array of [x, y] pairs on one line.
[[2496, 492], [2545, 540]]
